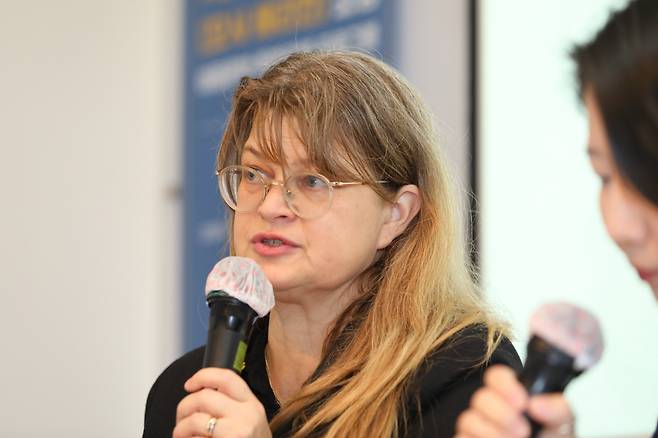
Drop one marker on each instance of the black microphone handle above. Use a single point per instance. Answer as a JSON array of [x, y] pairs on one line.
[[547, 369], [229, 328]]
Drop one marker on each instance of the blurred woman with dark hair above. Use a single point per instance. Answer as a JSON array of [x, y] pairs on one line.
[[618, 82]]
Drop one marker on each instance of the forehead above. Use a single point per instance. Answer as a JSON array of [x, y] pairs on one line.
[[282, 145], [283, 140]]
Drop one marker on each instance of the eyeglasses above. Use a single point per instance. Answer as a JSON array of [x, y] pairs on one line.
[[308, 195]]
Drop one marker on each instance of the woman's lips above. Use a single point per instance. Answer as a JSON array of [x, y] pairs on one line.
[[268, 244], [647, 275]]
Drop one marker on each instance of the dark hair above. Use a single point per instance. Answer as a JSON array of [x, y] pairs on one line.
[[620, 66]]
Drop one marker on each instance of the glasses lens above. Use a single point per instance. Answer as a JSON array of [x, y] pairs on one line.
[[309, 195], [242, 188]]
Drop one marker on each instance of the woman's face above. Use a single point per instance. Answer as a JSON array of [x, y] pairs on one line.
[[630, 219], [309, 257]]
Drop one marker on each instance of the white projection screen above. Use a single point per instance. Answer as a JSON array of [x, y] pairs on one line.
[[540, 234]]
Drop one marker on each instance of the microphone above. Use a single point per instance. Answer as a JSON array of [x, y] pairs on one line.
[[237, 291], [566, 341]]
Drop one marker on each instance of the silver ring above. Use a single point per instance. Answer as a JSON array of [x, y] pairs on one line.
[[567, 429], [211, 426]]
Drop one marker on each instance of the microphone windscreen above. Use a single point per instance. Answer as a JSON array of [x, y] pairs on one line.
[[571, 329], [243, 279]]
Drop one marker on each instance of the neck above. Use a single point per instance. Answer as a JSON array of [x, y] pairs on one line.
[[296, 335]]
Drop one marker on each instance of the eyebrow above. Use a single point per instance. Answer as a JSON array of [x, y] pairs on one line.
[[253, 151], [258, 154]]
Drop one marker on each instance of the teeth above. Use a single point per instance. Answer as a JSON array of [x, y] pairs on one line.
[[272, 242]]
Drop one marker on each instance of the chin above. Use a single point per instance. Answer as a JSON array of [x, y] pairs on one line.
[[278, 278]]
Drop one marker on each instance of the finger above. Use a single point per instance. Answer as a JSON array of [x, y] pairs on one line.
[[196, 425], [221, 379], [502, 379], [207, 401], [230, 428], [495, 409], [470, 423], [552, 410]]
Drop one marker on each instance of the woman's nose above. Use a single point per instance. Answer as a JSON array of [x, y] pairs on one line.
[[274, 205]]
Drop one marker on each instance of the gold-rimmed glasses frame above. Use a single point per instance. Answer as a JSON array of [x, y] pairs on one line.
[[308, 195]]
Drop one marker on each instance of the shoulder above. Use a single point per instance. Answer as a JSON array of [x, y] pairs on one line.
[[167, 392], [175, 375], [465, 352], [444, 384], [189, 362], [460, 357]]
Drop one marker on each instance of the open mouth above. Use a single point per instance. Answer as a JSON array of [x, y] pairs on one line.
[[272, 243]]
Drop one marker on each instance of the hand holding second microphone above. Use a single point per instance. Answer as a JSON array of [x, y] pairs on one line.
[[497, 409], [566, 340]]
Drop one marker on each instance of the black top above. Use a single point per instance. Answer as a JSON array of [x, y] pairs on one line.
[[443, 384]]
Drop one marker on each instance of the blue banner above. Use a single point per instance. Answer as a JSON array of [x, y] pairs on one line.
[[225, 40]]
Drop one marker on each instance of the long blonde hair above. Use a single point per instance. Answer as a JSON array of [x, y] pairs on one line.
[[359, 119]]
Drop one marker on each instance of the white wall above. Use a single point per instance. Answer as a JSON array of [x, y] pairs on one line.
[[433, 55], [542, 237], [88, 148]]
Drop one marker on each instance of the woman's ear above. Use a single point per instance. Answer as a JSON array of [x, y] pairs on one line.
[[400, 212]]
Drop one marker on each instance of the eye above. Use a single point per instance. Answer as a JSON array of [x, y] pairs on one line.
[[312, 182], [604, 177], [252, 175]]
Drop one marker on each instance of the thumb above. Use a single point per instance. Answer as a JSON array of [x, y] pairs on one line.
[[551, 410]]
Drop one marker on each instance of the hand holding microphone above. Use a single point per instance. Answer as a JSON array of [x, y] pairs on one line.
[[220, 403], [565, 341]]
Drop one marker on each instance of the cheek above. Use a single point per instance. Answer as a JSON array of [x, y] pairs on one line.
[[653, 231], [346, 239], [339, 258], [603, 205], [359, 235], [240, 235], [606, 208]]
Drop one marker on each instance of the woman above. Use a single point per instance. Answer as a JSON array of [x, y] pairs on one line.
[[618, 77], [378, 329]]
